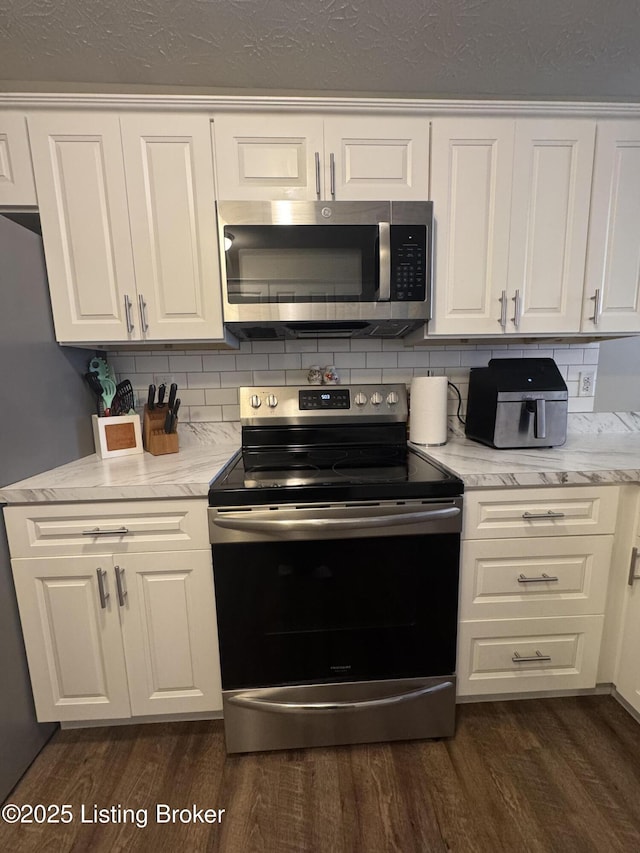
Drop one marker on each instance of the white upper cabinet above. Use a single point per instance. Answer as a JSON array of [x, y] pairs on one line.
[[79, 172], [552, 170], [16, 173], [127, 223], [472, 166], [511, 202], [612, 282], [169, 174], [276, 156]]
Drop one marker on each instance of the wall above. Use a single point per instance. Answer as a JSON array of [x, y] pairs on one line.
[[618, 388], [208, 381]]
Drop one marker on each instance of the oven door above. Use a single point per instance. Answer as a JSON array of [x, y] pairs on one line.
[[330, 594]]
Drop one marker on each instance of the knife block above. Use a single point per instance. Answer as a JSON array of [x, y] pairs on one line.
[[156, 441]]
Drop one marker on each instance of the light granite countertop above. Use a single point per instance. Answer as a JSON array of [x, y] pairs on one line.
[[600, 448], [204, 450]]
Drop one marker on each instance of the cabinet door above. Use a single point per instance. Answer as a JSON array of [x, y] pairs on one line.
[[73, 642], [268, 156], [376, 158], [77, 160], [628, 674], [552, 170], [612, 282], [471, 170], [169, 631], [170, 186], [16, 173]]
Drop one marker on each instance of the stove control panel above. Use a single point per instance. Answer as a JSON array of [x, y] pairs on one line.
[[291, 404]]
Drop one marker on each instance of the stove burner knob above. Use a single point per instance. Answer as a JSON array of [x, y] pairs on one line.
[[360, 399], [376, 398], [272, 401], [392, 398], [255, 401]]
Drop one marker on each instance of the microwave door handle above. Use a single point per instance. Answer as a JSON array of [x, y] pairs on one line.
[[384, 284], [540, 422]]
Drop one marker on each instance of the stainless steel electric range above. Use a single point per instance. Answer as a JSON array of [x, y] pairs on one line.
[[336, 561]]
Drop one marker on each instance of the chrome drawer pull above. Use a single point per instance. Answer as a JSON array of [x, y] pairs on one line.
[[632, 568], [537, 658], [104, 596], [97, 531], [544, 578], [548, 514], [122, 592]]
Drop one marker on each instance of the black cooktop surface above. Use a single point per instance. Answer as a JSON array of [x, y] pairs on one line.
[[328, 474]]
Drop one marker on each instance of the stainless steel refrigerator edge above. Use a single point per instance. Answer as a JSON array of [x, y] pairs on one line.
[[45, 423]]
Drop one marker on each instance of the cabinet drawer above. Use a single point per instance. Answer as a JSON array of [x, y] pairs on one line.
[[42, 530], [526, 655], [512, 578], [566, 510]]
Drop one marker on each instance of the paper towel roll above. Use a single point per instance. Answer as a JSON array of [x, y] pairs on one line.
[[428, 410]]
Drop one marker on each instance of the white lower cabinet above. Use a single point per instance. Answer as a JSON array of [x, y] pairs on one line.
[[117, 606], [112, 637], [627, 679], [533, 588]]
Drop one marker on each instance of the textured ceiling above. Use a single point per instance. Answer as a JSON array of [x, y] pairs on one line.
[[582, 49]]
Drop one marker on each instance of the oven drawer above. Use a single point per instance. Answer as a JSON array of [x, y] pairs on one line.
[[555, 576], [528, 655], [49, 530], [559, 511]]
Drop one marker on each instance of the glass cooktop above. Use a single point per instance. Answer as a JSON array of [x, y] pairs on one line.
[[331, 474]]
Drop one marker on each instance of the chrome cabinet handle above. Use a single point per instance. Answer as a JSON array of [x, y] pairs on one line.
[[318, 174], [127, 313], [544, 578], [263, 702], [517, 311], [332, 172], [597, 306], [327, 524], [503, 310], [537, 658], [143, 313], [384, 242], [632, 568], [104, 595], [122, 592], [548, 514], [97, 531]]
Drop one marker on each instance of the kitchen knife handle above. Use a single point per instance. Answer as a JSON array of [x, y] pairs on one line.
[[127, 313], [161, 392], [151, 398], [104, 596], [173, 390]]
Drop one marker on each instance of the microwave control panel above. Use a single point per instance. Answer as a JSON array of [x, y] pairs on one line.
[[408, 263]]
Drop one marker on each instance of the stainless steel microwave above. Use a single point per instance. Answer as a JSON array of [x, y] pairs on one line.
[[325, 269]]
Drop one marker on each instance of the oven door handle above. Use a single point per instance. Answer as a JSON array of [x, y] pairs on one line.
[[264, 703], [244, 521]]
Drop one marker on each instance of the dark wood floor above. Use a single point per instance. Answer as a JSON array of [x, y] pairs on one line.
[[537, 775]]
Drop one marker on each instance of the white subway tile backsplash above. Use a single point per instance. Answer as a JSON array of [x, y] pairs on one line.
[[208, 381]]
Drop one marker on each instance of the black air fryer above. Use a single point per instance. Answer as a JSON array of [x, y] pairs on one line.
[[517, 402]]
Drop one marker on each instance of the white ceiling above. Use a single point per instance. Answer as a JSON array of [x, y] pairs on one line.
[[575, 49]]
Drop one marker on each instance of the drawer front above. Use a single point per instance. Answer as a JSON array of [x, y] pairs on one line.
[[528, 655], [48, 530], [514, 578], [566, 510]]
